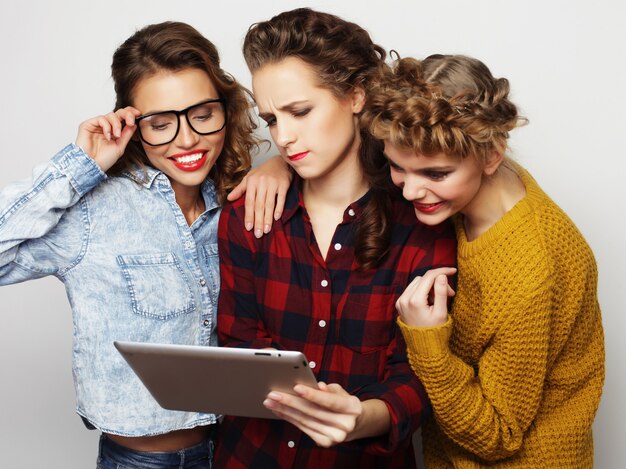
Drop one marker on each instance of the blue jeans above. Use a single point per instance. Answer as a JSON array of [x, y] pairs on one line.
[[114, 456]]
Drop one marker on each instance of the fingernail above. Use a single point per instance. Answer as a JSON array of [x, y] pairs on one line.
[[274, 396], [266, 229], [249, 226], [277, 216], [258, 233]]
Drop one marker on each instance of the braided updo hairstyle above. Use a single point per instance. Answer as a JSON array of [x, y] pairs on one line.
[[448, 104]]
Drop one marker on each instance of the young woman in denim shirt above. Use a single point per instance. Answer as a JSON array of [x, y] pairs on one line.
[[127, 219]]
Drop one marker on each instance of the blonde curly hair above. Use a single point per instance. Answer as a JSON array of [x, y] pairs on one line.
[[448, 104]]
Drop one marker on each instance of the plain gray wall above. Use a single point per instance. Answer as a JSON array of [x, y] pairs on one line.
[[565, 60]]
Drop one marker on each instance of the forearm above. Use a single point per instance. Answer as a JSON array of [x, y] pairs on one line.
[[373, 421], [402, 393], [489, 414], [54, 187], [239, 323], [31, 209]]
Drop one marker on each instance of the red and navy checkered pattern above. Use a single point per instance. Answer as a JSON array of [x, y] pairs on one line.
[[279, 292]]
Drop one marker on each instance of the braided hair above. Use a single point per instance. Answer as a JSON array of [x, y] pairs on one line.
[[448, 104]]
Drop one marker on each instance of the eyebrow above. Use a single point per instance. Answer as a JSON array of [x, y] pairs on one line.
[[286, 107], [420, 170], [149, 113]]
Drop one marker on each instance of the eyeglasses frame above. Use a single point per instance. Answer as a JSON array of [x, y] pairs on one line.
[[178, 114]]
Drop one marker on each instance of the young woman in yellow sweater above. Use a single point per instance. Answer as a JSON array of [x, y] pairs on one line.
[[515, 371]]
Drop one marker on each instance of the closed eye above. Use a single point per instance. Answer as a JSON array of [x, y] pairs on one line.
[[270, 119], [203, 117], [436, 175], [301, 112], [159, 127]]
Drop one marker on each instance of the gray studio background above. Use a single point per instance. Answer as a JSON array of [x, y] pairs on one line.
[[566, 63]]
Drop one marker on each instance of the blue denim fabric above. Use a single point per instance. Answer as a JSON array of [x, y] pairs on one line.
[[114, 456], [132, 268]]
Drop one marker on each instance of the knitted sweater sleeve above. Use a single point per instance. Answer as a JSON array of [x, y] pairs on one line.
[[487, 411]]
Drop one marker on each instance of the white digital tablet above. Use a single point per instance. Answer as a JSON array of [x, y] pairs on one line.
[[219, 380]]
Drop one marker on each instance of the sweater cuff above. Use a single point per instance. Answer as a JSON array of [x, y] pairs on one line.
[[427, 341]]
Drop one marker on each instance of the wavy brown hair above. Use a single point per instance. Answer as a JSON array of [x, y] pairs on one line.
[[175, 46], [344, 57], [448, 104]]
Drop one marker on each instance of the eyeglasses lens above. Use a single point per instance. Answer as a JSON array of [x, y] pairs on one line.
[[162, 127]]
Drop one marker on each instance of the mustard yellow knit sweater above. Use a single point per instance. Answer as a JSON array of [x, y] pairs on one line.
[[515, 375]]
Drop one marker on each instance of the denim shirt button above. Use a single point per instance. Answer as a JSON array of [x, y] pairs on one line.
[[205, 323], [202, 282]]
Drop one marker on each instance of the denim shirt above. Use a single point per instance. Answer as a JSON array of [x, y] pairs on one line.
[[133, 270]]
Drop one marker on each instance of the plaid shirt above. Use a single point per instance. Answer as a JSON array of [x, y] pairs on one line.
[[278, 291]]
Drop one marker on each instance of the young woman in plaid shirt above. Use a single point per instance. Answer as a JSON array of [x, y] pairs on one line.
[[325, 279]]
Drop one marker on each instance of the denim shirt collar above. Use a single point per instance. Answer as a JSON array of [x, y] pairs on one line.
[[147, 176]]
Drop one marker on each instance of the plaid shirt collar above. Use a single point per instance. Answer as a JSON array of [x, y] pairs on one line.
[[295, 202]]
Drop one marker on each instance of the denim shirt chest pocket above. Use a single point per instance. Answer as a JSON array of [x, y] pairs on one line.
[[157, 285]]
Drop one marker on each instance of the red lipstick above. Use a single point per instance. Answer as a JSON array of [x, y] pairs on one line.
[[297, 156], [427, 208], [189, 160]]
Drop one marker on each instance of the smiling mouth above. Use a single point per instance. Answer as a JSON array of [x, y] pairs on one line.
[[190, 161], [427, 208], [187, 158]]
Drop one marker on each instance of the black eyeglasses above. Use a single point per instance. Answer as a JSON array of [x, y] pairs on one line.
[[204, 118]]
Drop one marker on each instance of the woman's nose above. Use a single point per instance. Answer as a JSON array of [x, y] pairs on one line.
[[283, 134], [413, 189], [186, 137]]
